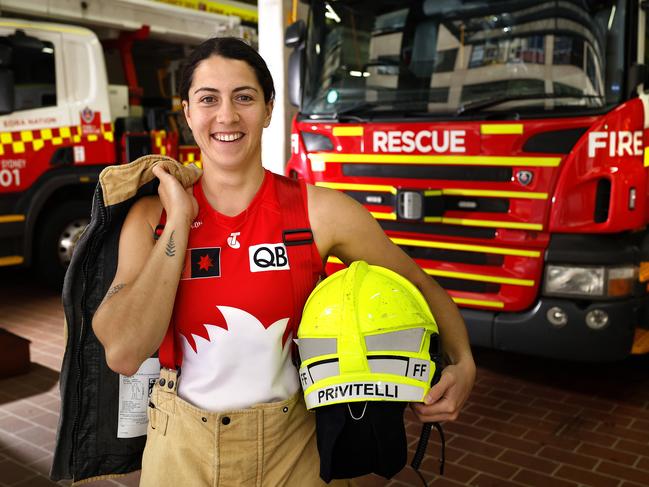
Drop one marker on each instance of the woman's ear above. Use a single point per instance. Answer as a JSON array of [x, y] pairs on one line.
[[269, 113], [186, 112]]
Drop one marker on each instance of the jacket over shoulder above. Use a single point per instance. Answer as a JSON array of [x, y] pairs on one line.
[[87, 443]]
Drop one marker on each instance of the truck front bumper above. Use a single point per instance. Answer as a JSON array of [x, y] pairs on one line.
[[531, 333]]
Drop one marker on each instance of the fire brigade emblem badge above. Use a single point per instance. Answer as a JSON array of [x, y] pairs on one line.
[[87, 115], [524, 177]]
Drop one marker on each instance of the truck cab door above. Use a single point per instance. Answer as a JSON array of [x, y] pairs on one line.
[[36, 65]]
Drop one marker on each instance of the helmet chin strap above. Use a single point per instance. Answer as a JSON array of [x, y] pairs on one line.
[[349, 407], [421, 449]]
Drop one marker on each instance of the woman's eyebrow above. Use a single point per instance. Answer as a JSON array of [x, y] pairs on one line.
[[214, 90], [210, 90], [243, 88]]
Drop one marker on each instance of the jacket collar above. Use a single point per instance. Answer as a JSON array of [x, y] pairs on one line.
[[121, 182]]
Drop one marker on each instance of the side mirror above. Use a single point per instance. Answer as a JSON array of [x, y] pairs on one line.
[[294, 35], [294, 38], [21, 40], [638, 74], [294, 79], [7, 101]]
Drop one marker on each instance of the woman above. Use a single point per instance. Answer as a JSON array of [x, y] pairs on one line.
[[235, 413]]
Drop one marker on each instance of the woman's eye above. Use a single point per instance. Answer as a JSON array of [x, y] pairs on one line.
[[244, 98], [208, 99]]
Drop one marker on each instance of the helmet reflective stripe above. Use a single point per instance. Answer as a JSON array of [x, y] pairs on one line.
[[403, 340], [414, 368], [408, 367], [342, 392], [315, 347], [317, 372], [366, 335]]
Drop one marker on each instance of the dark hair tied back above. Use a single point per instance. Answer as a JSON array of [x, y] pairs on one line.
[[231, 48]]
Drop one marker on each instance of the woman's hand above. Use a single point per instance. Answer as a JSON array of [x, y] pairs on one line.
[[178, 202], [446, 398]]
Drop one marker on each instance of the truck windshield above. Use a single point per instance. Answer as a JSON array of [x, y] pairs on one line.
[[455, 57]]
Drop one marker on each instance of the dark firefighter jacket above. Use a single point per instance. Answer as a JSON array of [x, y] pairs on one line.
[[87, 444]]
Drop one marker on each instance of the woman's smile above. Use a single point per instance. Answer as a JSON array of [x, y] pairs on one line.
[[228, 136]]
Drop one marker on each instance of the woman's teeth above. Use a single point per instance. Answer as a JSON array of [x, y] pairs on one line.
[[227, 137]]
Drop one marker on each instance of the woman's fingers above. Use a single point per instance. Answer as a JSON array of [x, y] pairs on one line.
[[176, 200], [446, 398]]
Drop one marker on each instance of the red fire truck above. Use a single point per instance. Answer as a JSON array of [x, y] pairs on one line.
[[77, 96], [502, 145]]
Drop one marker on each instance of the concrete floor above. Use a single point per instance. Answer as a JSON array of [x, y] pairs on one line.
[[529, 421]]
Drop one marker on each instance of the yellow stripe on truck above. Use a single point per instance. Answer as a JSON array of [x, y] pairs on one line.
[[480, 277], [12, 218], [344, 131], [454, 160], [487, 193], [246, 14], [381, 188], [466, 247], [502, 129], [11, 260], [478, 302], [23, 141]]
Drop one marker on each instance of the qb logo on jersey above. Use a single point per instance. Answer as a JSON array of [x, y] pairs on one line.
[[268, 257]]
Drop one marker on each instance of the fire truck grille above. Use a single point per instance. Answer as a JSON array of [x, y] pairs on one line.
[[437, 229], [475, 225], [449, 203], [467, 286], [443, 255], [414, 171]]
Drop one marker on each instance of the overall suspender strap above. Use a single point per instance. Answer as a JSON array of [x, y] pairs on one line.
[[297, 237], [167, 351]]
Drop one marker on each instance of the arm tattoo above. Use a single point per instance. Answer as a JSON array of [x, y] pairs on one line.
[[171, 245], [114, 290]]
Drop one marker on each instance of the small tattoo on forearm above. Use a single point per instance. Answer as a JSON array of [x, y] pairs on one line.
[[114, 290], [171, 245]]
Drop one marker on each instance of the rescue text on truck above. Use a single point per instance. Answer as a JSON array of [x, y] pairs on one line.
[[502, 145]]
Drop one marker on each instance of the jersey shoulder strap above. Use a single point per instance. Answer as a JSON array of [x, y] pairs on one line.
[[297, 238]]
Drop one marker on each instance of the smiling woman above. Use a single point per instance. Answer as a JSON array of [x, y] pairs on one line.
[[220, 292], [227, 115]]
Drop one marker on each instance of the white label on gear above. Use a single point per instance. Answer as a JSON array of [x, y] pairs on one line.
[[134, 393], [79, 153]]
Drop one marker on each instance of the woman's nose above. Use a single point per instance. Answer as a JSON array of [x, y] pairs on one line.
[[227, 113]]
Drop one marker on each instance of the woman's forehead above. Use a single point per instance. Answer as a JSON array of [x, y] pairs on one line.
[[223, 74]]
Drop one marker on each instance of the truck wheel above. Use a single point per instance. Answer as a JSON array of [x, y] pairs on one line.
[[60, 230]]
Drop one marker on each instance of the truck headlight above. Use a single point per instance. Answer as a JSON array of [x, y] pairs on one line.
[[603, 282]]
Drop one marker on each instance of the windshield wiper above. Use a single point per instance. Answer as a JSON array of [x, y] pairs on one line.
[[353, 112], [497, 100]]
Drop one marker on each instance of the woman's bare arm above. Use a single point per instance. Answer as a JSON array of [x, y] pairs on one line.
[[133, 317]]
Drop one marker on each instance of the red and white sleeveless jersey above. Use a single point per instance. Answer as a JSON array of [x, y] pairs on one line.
[[233, 310]]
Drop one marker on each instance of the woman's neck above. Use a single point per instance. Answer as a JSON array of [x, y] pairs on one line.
[[230, 192]]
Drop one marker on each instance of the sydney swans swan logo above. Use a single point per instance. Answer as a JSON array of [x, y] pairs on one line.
[[230, 360]]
